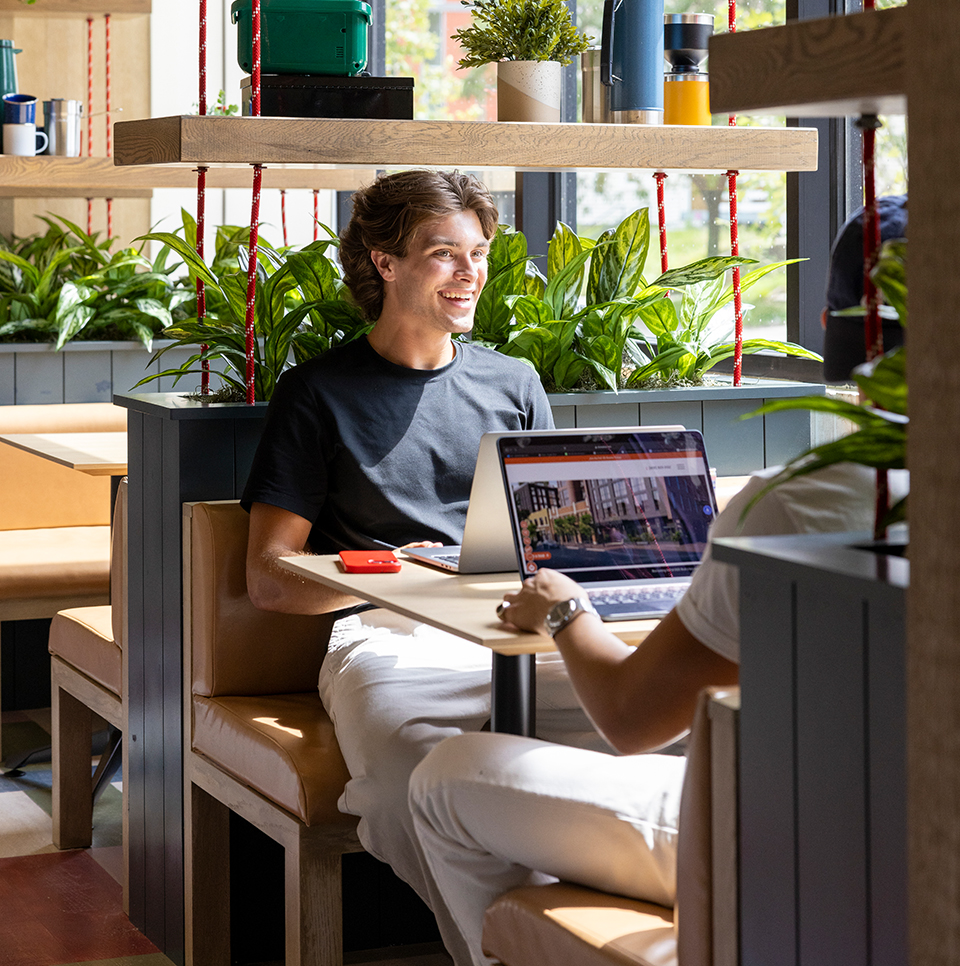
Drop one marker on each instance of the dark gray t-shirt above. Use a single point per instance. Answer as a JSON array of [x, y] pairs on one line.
[[375, 454]]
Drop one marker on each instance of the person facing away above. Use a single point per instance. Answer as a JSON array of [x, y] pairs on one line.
[[495, 811], [374, 445]]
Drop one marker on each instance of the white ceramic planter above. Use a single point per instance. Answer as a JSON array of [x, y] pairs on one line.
[[529, 90]]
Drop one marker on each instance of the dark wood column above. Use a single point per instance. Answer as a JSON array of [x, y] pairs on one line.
[[178, 451]]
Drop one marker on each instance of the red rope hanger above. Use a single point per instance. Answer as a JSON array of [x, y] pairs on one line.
[[735, 234], [89, 114], [201, 206], [660, 177], [254, 214], [106, 26], [872, 329]]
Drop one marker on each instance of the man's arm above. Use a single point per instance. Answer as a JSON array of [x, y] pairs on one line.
[[275, 533], [639, 699]]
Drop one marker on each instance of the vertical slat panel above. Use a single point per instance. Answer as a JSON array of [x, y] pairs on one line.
[[734, 447], [136, 579], [565, 417], [831, 774], [39, 377], [686, 414], [87, 376], [615, 414], [785, 435], [767, 778], [887, 778]]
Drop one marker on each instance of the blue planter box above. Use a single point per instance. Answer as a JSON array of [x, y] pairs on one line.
[[735, 447], [82, 371]]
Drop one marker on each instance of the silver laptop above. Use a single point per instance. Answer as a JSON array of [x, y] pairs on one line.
[[624, 512], [487, 546]]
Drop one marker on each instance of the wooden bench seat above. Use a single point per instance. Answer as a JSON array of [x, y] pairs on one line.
[[54, 521], [570, 925], [56, 562], [259, 744]]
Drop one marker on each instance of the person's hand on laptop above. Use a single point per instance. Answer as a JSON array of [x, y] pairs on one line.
[[527, 608], [420, 543]]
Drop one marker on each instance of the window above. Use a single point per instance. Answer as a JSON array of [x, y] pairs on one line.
[[780, 215]]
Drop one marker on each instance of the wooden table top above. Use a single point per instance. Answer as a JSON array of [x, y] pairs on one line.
[[462, 604], [96, 454]]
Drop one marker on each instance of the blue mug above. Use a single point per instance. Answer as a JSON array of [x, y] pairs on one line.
[[631, 60], [19, 109]]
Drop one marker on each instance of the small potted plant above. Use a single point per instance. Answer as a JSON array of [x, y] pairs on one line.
[[529, 41]]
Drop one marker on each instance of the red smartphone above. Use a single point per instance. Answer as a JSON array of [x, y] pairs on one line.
[[369, 561]]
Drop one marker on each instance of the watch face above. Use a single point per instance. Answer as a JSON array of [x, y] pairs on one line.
[[559, 614]]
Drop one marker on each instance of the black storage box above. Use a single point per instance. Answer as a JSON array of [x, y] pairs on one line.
[[310, 95]]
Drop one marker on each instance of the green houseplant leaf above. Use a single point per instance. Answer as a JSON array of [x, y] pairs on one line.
[[519, 30]]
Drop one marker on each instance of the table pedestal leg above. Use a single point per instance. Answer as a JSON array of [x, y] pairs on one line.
[[513, 704]]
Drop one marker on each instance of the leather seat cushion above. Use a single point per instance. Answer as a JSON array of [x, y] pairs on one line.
[[569, 925], [283, 746], [83, 637], [54, 562]]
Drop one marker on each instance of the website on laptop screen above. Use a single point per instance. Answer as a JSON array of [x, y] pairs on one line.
[[609, 507]]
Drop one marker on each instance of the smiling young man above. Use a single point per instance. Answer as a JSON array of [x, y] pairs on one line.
[[374, 445]]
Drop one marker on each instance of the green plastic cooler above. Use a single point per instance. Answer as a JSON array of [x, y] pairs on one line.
[[326, 37]]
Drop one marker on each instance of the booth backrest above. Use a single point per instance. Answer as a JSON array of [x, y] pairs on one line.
[[36, 493], [706, 907], [237, 649]]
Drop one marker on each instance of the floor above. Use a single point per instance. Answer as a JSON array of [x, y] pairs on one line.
[[61, 908]]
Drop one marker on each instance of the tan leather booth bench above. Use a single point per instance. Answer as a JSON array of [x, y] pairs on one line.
[[54, 521], [258, 743], [87, 664], [569, 925]]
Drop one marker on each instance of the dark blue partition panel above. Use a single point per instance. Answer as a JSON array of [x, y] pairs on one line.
[[822, 744], [767, 771], [179, 451]]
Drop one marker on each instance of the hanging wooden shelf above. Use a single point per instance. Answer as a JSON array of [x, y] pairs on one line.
[[55, 177], [831, 67], [553, 147], [74, 8]]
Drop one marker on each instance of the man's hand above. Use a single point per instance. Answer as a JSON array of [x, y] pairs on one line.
[[527, 608], [420, 543]]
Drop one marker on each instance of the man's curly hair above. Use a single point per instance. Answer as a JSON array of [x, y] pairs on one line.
[[387, 215]]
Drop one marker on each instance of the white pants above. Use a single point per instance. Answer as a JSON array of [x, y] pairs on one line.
[[394, 689], [495, 811]]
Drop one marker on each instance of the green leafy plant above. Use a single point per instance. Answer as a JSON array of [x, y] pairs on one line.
[[594, 322], [66, 284], [221, 108], [880, 440], [519, 30], [302, 309], [677, 341]]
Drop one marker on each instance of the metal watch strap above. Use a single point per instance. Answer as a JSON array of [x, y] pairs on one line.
[[562, 613]]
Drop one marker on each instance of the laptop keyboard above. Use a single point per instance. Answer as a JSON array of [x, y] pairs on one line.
[[448, 558], [639, 595]]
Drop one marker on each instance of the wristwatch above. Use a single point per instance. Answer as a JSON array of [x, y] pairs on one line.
[[561, 614]]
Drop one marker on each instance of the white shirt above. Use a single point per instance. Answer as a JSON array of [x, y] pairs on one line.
[[838, 498]]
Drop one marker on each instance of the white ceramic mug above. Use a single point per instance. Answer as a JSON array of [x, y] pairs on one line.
[[24, 140]]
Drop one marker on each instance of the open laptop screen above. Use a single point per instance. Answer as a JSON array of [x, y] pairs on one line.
[[609, 506]]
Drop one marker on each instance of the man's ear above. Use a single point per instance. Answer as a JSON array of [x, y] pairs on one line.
[[383, 263]]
